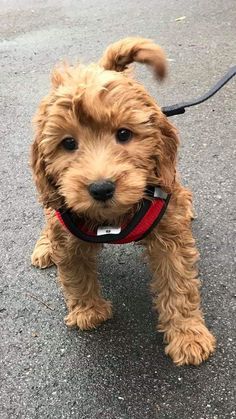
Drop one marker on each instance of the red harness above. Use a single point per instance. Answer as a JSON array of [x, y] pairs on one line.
[[140, 225]]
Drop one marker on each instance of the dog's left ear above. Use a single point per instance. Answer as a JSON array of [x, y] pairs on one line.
[[48, 194], [122, 53], [166, 154]]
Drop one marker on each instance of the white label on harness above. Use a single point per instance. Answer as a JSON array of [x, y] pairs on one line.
[[108, 230]]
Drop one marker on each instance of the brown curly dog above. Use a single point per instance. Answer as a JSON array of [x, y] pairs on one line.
[[98, 126]]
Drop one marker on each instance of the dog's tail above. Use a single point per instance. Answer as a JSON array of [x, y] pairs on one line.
[[122, 53]]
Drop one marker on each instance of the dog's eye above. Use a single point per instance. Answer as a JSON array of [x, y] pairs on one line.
[[123, 135], [69, 143]]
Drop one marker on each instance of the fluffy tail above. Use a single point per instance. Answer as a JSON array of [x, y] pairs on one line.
[[122, 53]]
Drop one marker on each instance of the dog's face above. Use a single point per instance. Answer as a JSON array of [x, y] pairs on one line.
[[101, 139]]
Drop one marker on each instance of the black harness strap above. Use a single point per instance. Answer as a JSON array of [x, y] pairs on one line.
[[180, 108]]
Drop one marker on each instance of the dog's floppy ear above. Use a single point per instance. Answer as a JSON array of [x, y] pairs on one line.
[[166, 154], [47, 191], [122, 53]]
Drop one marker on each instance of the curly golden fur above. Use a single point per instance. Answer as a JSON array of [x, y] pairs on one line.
[[90, 103]]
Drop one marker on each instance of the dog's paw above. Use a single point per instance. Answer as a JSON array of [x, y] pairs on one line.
[[41, 257], [191, 347], [91, 317]]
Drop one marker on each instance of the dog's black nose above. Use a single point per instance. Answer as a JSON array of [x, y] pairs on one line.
[[102, 190]]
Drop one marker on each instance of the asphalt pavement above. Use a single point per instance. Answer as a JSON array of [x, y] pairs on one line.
[[118, 371]]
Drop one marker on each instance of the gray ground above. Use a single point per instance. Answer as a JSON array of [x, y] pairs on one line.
[[120, 370]]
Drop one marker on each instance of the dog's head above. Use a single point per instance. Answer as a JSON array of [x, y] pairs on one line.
[[100, 137]]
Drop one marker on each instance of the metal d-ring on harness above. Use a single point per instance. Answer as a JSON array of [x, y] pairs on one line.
[[180, 107], [150, 211]]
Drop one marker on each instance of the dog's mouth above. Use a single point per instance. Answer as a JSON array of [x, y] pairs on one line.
[[115, 211], [109, 212]]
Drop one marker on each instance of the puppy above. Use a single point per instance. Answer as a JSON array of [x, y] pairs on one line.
[[100, 140]]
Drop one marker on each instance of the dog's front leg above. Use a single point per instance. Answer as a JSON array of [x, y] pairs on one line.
[[77, 268], [176, 293]]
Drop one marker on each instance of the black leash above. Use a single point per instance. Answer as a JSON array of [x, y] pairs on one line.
[[180, 107]]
